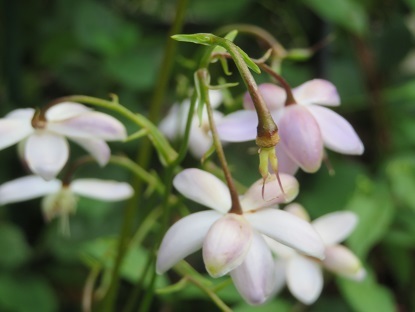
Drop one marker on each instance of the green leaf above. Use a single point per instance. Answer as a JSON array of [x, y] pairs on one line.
[[270, 306], [12, 241], [249, 62]]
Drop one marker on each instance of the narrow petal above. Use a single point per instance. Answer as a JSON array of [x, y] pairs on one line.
[[338, 134], [183, 238], [65, 110], [107, 190], [285, 163], [26, 188], [317, 91], [46, 153], [203, 188], [342, 261], [21, 113], [301, 137], [304, 279], [273, 95], [13, 130], [96, 147], [254, 278], [90, 125], [240, 126], [335, 227], [253, 200], [288, 230]]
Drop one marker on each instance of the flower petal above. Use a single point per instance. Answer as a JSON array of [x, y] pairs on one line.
[[90, 125], [273, 95], [26, 188], [21, 113], [46, 153], [183, 238], [298, 210], [13, 130], [216, 98], [239, 126], [285, 163], [342, 261], [317, 91], [107, 190], [254, 278], [96, 147], [335, 227], [304, 279], [173, 125], [288, 230], [203, 188], [199, 141], [338, 134], [253, 200], [280, 250], [65, 110], [301, 137]]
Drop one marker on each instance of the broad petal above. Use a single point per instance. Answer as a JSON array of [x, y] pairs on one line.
[[90, 125], [96, 147], [335, 227], [239, 126], [288, 230], [65, 110], [26, 188], [183, 238], [21, 113], [254, 278], [285, 163], [253, 200], [273, 95], [304, 279], [203, 188], [301, 137], [13, 130], [317, 91], [107, 190], [46, 153], [338, 134], [342, 261]]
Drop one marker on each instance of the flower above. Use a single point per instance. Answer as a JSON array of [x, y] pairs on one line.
[[45, 148], [200, 140], [60, 200], [303, 275], [232, 243], [304, 127]]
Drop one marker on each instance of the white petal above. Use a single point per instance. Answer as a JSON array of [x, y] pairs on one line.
[[288, 230], [199, 141], [252, 200], [65, 110], [96, 147], [285, 163], [107, 190], [341, 260], [335, 227], [46, 153], [304, 279], [13, 130], [338, 134], [273, 95], [226, 244], [254, 278], [317, 91], [90, 125], [216, 98], [183, 238], [280, 269], [298, 210], [203, 188], [173, 125], [26, 188], [280, 250], [240, 126], [21, 113]]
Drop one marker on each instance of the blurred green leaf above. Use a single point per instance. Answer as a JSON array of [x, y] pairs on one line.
[[15, 249], [270, 306], [216, 10]]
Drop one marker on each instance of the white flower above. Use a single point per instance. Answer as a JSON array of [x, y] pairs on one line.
[[45, 148], [303, 275], [200, 140], [233, 243]]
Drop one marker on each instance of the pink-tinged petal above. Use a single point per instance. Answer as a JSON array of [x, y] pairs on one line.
[[338, 134], [106, 190], [90, 125], [285, 163], [342, 261], [226, 244], [183, 238], [273, 95], [254, 278], [298, 210], [26, 188], [253, 200], [317, 91], [46, 153], [13, 130], [288, 230], [335, 227], [203, 188], [21, 113], [96, 147], [304, 279], [240, 126], [65, 110], [301, 137]]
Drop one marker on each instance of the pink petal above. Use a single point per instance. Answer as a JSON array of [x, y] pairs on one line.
[[338, 134], [65, 110], [285, 163], [317, 91], [273, 95], [342, 261], [106, 190], [240, 126], [335, 227], [301, 137]]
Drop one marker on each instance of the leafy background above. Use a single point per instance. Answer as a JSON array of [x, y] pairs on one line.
[[55, 48]]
